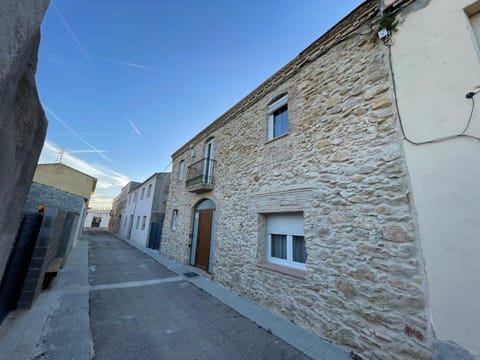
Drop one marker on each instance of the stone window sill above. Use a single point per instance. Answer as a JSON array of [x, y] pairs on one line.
[[284, 270], [276, 138]]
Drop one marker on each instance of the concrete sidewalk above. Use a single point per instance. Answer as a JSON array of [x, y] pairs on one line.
[[57, 325]]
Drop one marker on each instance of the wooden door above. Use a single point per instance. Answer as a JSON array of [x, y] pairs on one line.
[[203, 238]]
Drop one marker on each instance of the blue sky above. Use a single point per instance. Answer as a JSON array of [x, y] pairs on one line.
[[126, 83]]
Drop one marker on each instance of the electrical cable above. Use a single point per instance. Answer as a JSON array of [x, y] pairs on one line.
[[440, 139], [166, 167]]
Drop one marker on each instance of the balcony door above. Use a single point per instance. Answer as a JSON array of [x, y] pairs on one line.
[[208, 165], [203, 230]]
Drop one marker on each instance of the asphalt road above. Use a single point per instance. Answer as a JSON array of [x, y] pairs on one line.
[[141, 310]]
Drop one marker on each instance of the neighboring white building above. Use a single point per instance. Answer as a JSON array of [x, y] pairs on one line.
[[436, 62], [145, 210], [97, 218], [118, 207]]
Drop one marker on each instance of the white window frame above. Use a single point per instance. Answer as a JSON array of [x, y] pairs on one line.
[[208, 163], [144, 221], [181, 170], [138, 222], [475, 23], [143, 194], [270, 110], [149, 190], [288, 262]]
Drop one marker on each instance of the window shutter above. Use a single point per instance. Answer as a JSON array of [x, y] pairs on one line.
[[475, 21], [289, 224], [277, 104]]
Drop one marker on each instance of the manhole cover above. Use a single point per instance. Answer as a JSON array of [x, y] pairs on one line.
[[190, 274]]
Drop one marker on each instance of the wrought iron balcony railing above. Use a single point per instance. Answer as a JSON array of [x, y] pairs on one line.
[[200, 176]]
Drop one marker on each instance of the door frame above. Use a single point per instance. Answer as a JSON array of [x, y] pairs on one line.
[[193, 248]]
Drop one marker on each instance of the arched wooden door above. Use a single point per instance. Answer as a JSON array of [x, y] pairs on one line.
[[203, 230]]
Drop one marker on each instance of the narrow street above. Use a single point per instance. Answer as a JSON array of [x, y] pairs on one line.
[[141, 310]]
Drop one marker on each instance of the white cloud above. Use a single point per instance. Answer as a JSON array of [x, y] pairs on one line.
[[106, 177]]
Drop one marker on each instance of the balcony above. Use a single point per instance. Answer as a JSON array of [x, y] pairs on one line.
[[200, 176]]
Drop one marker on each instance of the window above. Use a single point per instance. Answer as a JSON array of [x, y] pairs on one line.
[[475, 21], [138, 222], [209, 159], [174, 219], [278, 118], [144, 220], [285, 240], [125, 222], [135, 197], [143, 194], [149, 191], [181, 170]]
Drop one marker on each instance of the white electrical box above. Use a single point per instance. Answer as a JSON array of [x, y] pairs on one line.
[[382, 34]]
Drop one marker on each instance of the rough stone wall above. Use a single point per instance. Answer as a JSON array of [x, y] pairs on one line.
[[341, 164], [40, 194], [49, 196], [22, 120]]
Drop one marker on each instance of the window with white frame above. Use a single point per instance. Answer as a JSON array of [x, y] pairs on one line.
[[285, 240], [181, 170], [138, 222], [143, 194], [149, 191], [144, 220], [135, 196], [278, 117], [174, 219]]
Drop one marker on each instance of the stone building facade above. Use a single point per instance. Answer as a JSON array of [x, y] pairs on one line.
[[298, 198]]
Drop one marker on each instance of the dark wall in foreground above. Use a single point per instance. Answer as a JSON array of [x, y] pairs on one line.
[[22, 120]]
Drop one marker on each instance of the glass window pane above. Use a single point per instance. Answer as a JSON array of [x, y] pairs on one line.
[[279, 246], [280, 121], [299, 249]]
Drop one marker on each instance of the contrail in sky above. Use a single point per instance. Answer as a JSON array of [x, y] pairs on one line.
[[99, 152], [134, 65], [133, 125], [85, 151], [71, 32], [75, 39]]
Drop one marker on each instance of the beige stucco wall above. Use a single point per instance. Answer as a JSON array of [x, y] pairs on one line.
[[436, 62], [65, 178], [341, 165]]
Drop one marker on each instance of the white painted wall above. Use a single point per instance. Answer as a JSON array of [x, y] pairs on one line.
[[138, 208], [436, 62], [103, 214]]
